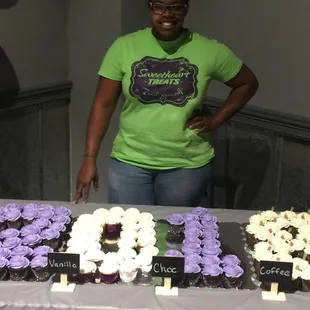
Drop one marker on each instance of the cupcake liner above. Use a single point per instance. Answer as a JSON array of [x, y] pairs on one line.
[[193, 279], [233, 282], [41, 274], [18, 274], [53, 243], [305, 286], [15, 224], [128, 277], [3, 226], [109, 278], [212, 282], [3, 273], [298, 254]]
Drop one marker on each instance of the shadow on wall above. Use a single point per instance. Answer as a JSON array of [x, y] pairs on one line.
[[7, 4], [9, 85]]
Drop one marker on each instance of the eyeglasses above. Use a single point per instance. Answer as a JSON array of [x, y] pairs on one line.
[[176, 9]]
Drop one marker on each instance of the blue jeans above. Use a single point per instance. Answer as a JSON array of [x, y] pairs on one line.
[[129, 184]]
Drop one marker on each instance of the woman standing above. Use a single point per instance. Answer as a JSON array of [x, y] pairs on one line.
[[162, 154]]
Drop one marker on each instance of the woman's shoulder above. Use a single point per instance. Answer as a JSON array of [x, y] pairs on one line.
[[137, 35], [204, 40]]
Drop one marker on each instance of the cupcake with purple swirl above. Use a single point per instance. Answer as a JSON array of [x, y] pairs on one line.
[[3, 268], [9, 233], [45, 207], [211, 250], [29, 215], [209, 220], [61, 210], [62, 219], [200, 211], [192, 274], [233, 276], [42, 250], [62, 230], [2, 210], [191, 218], [176, 228], [210, 234], [212, 276], [191, 248], [22, 250], [231, 260], [13, 218], [6, 253], [210, 243], [193, 259], [30, 230], [11, 243], [46, 214], [210, 260], [173, 253], [31, 206], [18, 268], [39, 268], [32, 241], [13, 207], [192, 232], [51, 238], [42, 223]]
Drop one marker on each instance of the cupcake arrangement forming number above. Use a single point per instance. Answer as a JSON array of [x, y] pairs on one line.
[[282, 237], [28, 233]]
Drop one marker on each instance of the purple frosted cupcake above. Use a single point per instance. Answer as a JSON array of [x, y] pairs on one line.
[[211, 243], [200, 211], [59, 227], [30, 230], [41, 223], [3, 224], [22, 250], [210, 234], [13, 218], [210, 226], [192, 273], [194, 249], [46, 214], [61, 210], [210, 260], [61, 218], [2, 210], [191, 217], [6, 253], [212, 276], [11, 243], [31, 206], [211, 250], [191, 239], [45, 207], [18, 268], [208, 219], [29, 215], [32, 241], [42, 250], [39, 268], [193, 232], [176, 228], [230, 260], [13, 207], [233, 276], [193, 225], [3, 268], [193, 259], [51, 238], [9, 233], [173, 253]]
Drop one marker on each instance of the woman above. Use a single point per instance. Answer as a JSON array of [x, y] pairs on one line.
[[161, 155]]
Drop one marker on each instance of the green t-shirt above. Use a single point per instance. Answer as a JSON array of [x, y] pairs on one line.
[[163, 83]]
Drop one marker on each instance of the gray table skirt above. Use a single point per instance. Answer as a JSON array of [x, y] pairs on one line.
[[31, 296]]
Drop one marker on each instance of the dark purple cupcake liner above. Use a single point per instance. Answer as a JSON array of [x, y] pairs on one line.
[[41, 274], [15, 224], [18, 274], [3, 273], [233, 283], [109, 278], [212, 282], [305, 286]]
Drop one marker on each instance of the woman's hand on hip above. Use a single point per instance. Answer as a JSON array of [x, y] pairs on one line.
[[87, 175], [203, 123]]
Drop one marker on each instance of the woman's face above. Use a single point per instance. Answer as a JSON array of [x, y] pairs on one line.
[[168, 18]]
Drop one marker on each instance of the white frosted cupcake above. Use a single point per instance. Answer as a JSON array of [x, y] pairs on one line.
[[127, 243], [263, 247], [87, 271], [146, 217], [287, 258], [109, 272], [289, 215], [147, 231], [75, 250], [300, 264], [150, 250], [117, 211], [281, 248], [144, 259], [129, 234], [269, 215], [263, 235], [94, 255], [129, 225], [272, 227], [305, 279], [257, 220], [284, 235], [112, 257], [128, 270], [304, 237], [133, 213], [305, 216], [101, 212], [147, 224], [126, 253], [295, 224], [282, 222], [297, 247], [251, 230], [145, 240], [305, 229]]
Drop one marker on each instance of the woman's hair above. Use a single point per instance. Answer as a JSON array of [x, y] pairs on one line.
[[150, 1]]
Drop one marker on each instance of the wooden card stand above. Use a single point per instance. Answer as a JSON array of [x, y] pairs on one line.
[[274, 294], [63, 285], [166, 290]]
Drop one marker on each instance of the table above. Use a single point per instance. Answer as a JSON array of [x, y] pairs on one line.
[[31, 296]]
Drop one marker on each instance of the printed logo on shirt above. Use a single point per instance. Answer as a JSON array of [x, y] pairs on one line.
[[164, 81]]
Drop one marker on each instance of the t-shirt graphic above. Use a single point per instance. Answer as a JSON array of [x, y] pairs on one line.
[[164, 81]]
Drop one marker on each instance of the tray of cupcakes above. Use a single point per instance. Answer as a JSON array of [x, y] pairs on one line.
[[115, 246], [196, 237], [27, 234], [282, 237]]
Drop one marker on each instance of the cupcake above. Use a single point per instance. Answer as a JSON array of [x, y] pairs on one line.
[[305, 216], [6, 253], [261, 256], [284, 235], [271, 227], [3, 268], [133, 213], [286, 258], [230, 260], [61, 218], [305, 280], [193, 259], [87, 272], [233, 276], [297, 247], [13, 218], [257, 220], [18, 268], [263, 246], [28, 215], [304, 237], [295, 224], [282, 223], [193, 249], [192, 245], [176, 228], [41, 223], [9, 233], [208, 219], [192, 274], [173, 253], [129, 234], [289, 215], [59, 227], [193, 232], [191, 217], [280, 246], [305, 229], [211, 243], [39, 268], [50, 238], [2, 211], [109, 272], [210, 234], [47, 214], [42, 250], [211, 250], [61, 210], [117, 211], [300, 264], [45, 207], [3, 224], [11, 243], [145, 240], [210, 260], [30, 230], [127, 243], [128, 270], [94, 255], [31, 206], [32, 241], [200, 211], [22, 251], [127, 253], [193, 225], [192, 239], [150, 249], [145, 216], [269, 215], [212, 276], [13, 207]]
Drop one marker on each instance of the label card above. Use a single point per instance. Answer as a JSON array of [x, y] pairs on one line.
[[168, 267], [63, 263], [275, 272]]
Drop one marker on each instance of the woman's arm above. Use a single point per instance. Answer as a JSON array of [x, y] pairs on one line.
[[107, 95]]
